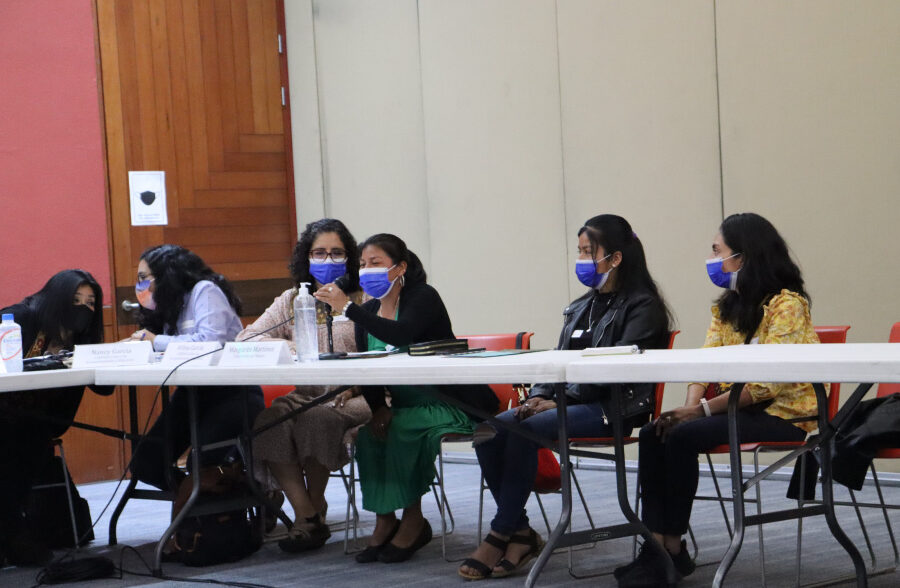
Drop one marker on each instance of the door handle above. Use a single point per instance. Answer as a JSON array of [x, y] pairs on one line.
[[128, 306]]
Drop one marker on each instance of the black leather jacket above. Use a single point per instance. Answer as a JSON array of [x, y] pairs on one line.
[[638, 319]]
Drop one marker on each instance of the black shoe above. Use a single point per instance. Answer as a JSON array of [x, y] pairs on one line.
[[684, 565], [307, 539], [643, 556], [371, 552], [393, 554]]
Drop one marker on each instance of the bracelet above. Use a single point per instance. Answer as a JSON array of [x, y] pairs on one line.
[[705, 406], [346, 306]]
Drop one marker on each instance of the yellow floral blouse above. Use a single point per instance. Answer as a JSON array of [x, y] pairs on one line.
[[785, 320]]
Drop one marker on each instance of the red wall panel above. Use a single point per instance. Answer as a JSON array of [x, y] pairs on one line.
[[52, 200]]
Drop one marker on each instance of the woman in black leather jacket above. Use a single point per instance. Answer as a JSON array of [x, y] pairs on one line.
[[622, 307]]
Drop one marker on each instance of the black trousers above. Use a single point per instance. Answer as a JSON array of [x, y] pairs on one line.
[[25, 449], [221, 416], [668, 472]]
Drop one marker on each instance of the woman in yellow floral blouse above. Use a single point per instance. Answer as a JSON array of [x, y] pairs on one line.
[[764, 302]]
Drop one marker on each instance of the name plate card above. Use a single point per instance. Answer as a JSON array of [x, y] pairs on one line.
[[112, 354], [256, 354], [179, 352]]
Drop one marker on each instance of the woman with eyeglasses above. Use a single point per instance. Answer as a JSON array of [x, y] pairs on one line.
[[301, 451], [183, 299], [67, 311], [763, 301]]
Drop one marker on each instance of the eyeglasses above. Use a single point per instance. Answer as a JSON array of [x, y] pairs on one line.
[[336, 255]]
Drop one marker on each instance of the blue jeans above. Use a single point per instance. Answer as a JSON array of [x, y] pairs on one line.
[[509, 461]]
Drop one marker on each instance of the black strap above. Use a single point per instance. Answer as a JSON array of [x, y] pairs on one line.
[[519, 337]]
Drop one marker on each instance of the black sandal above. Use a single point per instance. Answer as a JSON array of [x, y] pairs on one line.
[[535, 543], [307, 539], [484, 571]]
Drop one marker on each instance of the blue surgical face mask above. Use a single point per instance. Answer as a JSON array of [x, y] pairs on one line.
[[720, 278], [327, 271], [374, 281], [586, 270]]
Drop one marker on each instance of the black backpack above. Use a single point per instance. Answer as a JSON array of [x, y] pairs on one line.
[[222, 537]]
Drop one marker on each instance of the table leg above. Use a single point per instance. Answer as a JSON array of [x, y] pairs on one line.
[[737, 487], [129, 490], [193, 417], [622, 490], [828, 498], [565, 488]]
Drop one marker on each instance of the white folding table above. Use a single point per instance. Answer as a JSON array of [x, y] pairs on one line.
[[401, 369], [866, 363]]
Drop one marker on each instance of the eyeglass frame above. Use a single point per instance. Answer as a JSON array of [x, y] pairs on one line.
[[325, 254]]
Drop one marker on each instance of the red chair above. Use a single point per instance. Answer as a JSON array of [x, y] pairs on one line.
[[508, 397], [826, 334], [884, 389]]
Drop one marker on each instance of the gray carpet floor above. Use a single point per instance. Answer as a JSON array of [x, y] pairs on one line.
[[143, 522]]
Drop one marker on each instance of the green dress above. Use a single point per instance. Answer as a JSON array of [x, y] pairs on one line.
[[396, 472]]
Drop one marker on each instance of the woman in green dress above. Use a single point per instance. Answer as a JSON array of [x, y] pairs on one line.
[[396, 451]]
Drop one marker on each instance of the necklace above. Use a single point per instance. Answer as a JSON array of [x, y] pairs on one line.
[[591, 310]]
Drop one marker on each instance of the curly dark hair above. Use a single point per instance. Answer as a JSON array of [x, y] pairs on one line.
[[176, 271], [766, 270], [396, 249], [53, 302], [299, 265]]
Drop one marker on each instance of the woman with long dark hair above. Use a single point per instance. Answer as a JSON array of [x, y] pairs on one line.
[[622, 306], [183, 299], [764, 302], [301, 451], [67, 311], [397, 449]]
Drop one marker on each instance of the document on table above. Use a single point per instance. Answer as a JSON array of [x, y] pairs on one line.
[[620, 350]]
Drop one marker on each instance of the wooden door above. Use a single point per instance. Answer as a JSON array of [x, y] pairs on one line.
[[198, 89]]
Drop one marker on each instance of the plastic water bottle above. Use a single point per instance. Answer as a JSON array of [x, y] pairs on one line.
[[306, 331], [11, 344]]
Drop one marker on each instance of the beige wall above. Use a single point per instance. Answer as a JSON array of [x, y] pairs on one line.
[[486, 131]]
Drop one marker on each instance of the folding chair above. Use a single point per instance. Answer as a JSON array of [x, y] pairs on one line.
[[58, 445], [827, 335], [507, 397]]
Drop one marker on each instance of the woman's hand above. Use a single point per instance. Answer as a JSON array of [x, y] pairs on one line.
[[332, 296], [343, 398], [381, 422], [671, 418], [534, 406], [142, 335]]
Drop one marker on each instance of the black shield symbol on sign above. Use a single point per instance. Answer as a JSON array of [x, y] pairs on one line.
[[148, 197]]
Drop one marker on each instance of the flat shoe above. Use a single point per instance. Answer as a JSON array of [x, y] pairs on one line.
[[483, 570], [393, 554], [370, 553], [535, 543]]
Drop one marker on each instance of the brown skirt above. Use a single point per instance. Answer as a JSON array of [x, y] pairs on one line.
[[321, 433]]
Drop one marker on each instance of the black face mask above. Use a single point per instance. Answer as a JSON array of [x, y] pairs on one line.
[[79, 319]]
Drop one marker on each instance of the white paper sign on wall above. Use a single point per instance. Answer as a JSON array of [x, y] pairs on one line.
[[147, 190], [112, 354], [256, 354]]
